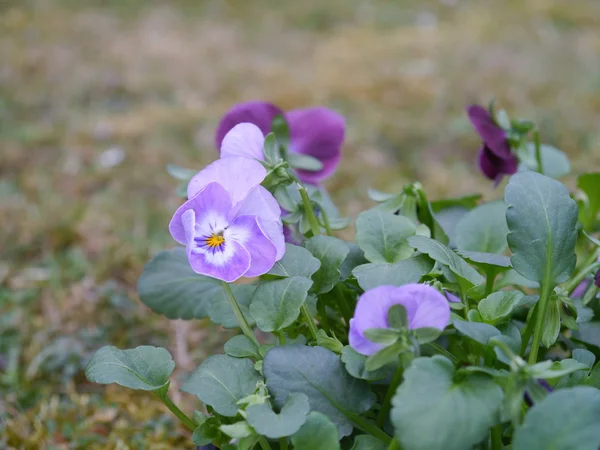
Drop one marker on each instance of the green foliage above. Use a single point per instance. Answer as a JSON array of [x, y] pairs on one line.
[[407, 271], [318, 433], [331, 252], [483, 229], [382, 236], [286, 423]]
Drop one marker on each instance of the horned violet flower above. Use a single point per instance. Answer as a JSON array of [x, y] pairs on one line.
[[230, 225], [317, 132], [425, 307], [496, 158]]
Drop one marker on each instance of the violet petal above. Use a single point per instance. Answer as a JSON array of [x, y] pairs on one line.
[[259, 113]]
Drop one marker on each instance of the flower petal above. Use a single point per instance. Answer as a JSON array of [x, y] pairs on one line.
[[229, 263], [432, 307], [259, 113], [492, 134], [318, 132], [245, 231], [245, 139], [493, 167], [236, 174], [212, 203]]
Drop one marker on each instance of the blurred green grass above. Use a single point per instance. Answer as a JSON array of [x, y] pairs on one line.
[[82, 82]]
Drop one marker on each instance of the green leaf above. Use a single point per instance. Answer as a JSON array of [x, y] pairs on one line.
[[330, 343], [565, 420], [237, 430], [542, 220], [145, 368], [317, 433], [331, 252], [220, 311], [296, 262], [590, 184], [241, 346], [276, 304], [221, 381], [368, 442], [385, 356], [320, 375], [355, 258], [551, 323], [355, 365], [447, 257], [287, 422], [170, 287], [384, 336], [549, 369], [397, 317], [554, 161], [479, 332], [499, 306], [483, 229], [304, 162], [271, 148], [486, 260], [180, 173], [382, 236], [584, 356], [280, 127], [427, 334], [467, 202], [431, 411], [410, 270]]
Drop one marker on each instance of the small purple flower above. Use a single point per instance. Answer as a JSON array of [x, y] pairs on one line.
[[317, 132], [451, 297], [495, 156], [230, 225], [425, 307]]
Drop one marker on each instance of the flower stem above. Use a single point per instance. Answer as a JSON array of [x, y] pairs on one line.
[[264, 443], [326, 222], [239, 315], [441, 350], [283, 445], [538, 151], [496, 435], [489, 282], [369, 427], [387, 401], [309, 321], [539, 322], [310, 212], [395, 445], [187, 421], [589, 265]]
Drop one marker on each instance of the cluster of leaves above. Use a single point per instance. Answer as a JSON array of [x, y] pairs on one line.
[[516, 367]]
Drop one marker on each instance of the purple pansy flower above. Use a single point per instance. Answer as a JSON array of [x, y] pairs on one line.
[[230, 225], [425, 307], [495, 156], [317, 132]]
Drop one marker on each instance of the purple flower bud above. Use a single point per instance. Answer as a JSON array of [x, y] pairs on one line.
[[425, 307], [451, 297], [597, 279], [542, 383]]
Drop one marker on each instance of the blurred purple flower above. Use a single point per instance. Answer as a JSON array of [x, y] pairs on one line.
[[451, 297], [542, 383], [425, 307], [580, 289], [597, 279], [230, 225], [317, 132], [495, 156]]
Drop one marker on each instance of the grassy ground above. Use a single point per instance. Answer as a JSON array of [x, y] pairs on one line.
[[83, 83]]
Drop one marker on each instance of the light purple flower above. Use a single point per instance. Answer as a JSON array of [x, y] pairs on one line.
[[317, 132], [451, 297], [495, 156], [230, 225], [425, 307]]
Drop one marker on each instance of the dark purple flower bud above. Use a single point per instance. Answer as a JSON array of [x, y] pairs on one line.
[[451, 297], [207, 447], [544, 384], [597, 279]]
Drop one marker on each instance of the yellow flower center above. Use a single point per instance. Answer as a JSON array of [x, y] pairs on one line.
[[215, 240]]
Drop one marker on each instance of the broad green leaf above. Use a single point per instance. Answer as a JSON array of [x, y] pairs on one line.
[[590, 184], [384, 336], [542, 220], [317, 433], [382, 236], [397, 317], [447, 257], [549, 369], [238, 430], [170, 287], [431, 411], [296, 262], [499, 306], [331, 252], [221, 381], [320, 375], [483, 229], [276, 304], [565, 420], [486, 261], [384, 357], [479, 332], [304, 162], [554, 161], [368, 442], [241, 346], [448, 219], [355, 258], [219, 309], [410, 270], [427, 334], [355, 365], [584, 356], [146, 368], [287, 422], [330, 343]]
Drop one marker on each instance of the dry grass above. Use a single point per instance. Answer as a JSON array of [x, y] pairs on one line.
[[151, 79]]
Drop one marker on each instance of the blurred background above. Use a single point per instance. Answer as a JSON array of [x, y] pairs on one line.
[[96, 97]]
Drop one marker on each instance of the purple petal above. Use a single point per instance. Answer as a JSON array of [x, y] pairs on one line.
[[580, 289], [212, 201], [318, 132], [493, 167], [597, 279], [432, 307], [228, 263], [245, 139], [236, 174], [290, 235], [493, 136], [245, 231], [259, 113], [451, 297]]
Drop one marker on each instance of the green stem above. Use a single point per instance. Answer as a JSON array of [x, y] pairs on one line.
[[283, 444], [538, 151], [309, 321], [441, 350], [465, 301], [369, 427], [187, 421], [496, 435], [310, 212], [264, 443], [589, 294], [387, 401], [395, 445], [239, 315], [489, 282], [326, 222], [539, 322], [589, 265]]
